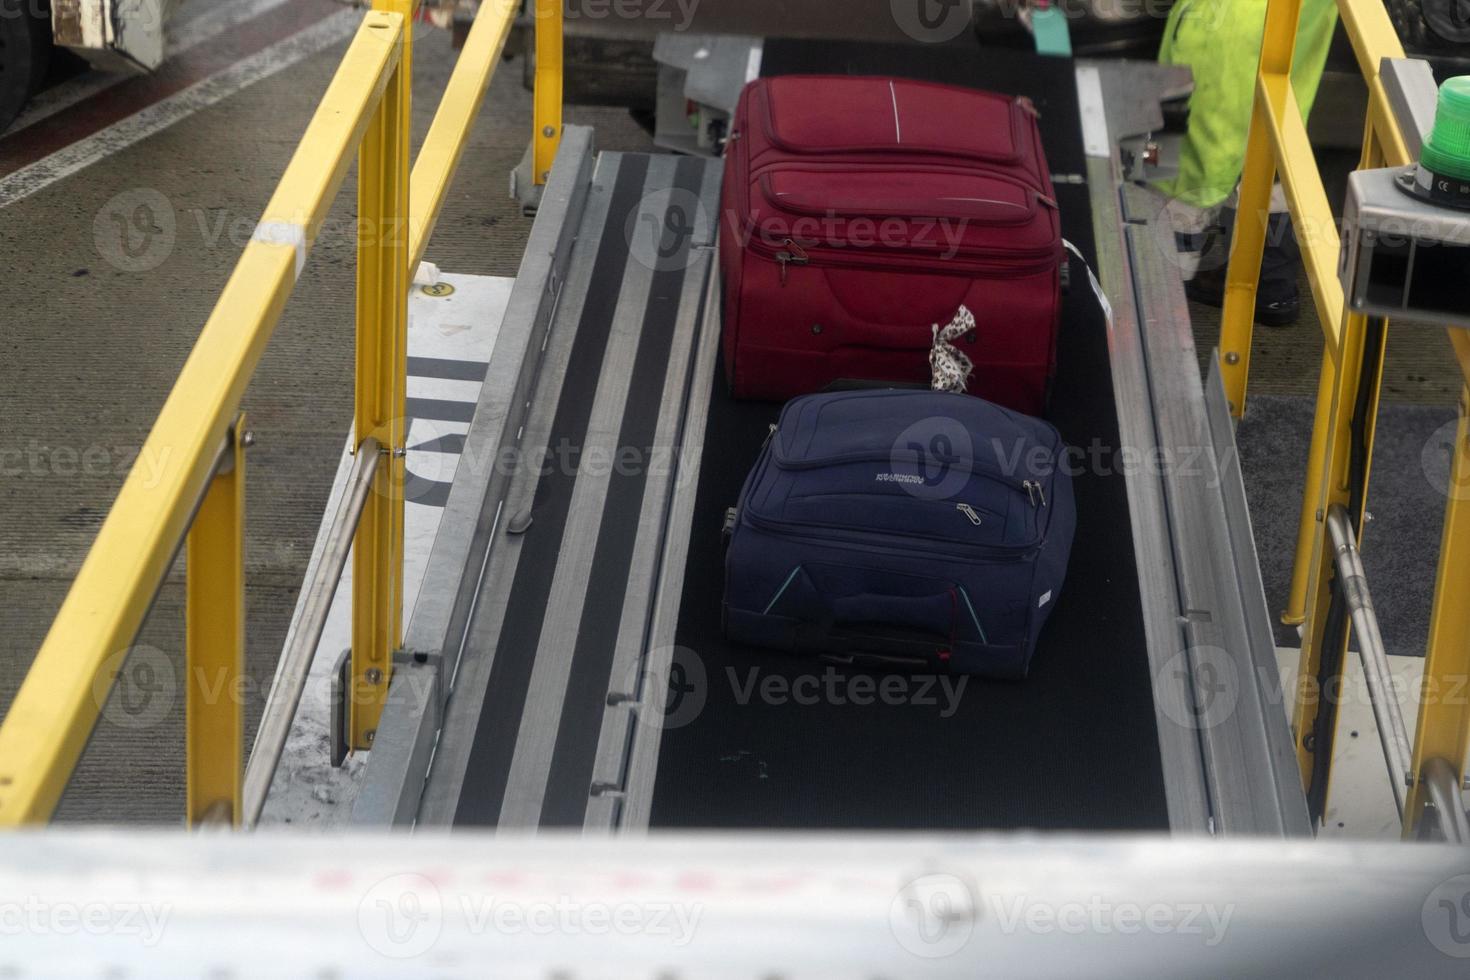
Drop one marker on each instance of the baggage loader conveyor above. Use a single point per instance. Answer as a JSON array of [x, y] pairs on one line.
[[564, 665]]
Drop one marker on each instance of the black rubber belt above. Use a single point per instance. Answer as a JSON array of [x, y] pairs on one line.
[[499, 725], [565, 803], [1074, 746]]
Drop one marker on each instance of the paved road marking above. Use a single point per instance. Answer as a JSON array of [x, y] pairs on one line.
[[140, 107], [183, 35]]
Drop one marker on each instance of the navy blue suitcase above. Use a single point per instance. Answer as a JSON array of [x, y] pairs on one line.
[[905, 528]]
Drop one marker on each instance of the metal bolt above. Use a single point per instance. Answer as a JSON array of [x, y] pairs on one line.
[[1232, 358], [1367, 517], [1309, 742], [816, 328], [247, 438], [1319, 515], [373, 675], [549, 132], [369, 735]]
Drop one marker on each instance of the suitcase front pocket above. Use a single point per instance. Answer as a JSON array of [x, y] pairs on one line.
[[966, 519], [913, 219]]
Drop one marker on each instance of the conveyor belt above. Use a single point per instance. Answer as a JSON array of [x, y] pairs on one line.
[[545, 725], [570, 627], [1073, 746]]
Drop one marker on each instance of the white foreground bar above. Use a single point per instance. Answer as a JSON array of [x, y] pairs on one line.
[[267, 905]]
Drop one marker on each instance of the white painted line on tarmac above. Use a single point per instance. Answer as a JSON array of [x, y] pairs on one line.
[[164, 113], [182, 36]]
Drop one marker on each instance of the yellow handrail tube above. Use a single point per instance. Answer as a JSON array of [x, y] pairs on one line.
[[459, 108]]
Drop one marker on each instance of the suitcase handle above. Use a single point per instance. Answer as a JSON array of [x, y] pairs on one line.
[[862, 649]]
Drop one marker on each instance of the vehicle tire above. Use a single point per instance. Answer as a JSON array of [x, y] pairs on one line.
[[1431, 25], [25, 52], [1449, 20]]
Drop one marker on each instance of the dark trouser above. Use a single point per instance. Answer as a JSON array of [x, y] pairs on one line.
[[1276, 294]]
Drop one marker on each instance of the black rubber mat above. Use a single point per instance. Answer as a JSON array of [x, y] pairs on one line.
[[1407, 493], [757, 739]]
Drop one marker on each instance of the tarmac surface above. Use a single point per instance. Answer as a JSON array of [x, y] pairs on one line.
[[122, 213], [110, 272]]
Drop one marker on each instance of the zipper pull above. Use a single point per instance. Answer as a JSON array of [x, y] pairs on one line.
[[969, 512], [769, 436], [797, 256], [1034, 491]]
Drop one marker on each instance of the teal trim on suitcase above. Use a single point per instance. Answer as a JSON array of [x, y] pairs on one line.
[[974, 618], [780, 592]]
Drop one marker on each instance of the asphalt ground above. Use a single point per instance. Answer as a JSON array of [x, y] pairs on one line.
[[109, 273]]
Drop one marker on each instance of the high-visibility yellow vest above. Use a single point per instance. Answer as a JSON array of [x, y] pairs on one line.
[[1220, 40]]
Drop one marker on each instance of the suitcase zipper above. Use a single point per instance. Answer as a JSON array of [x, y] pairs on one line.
[[972, 554], [969, 512], [828, 258], [1033, 491]]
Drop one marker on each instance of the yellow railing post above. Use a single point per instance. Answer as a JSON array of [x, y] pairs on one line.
[[1307, 524], [547, 138], [1253, 211], [1337, 474], [383, 278], [1336, 486], [1444, 706], [214, 627], [1373, 39]]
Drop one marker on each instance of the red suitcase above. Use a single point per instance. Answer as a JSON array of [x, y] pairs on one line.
[[858, 212]]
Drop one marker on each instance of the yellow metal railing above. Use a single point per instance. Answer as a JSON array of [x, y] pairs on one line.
[[1348, 392], [193, 495], [548, 96]]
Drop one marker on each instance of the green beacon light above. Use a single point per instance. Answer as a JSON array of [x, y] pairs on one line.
[[1443, 174]]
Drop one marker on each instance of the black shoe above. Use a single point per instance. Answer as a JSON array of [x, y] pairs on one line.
[[1275, 306], [1284, 312], [1278, 301]]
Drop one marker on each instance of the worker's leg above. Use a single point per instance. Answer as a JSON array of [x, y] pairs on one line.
[[1220, 42], [1278, 299]]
